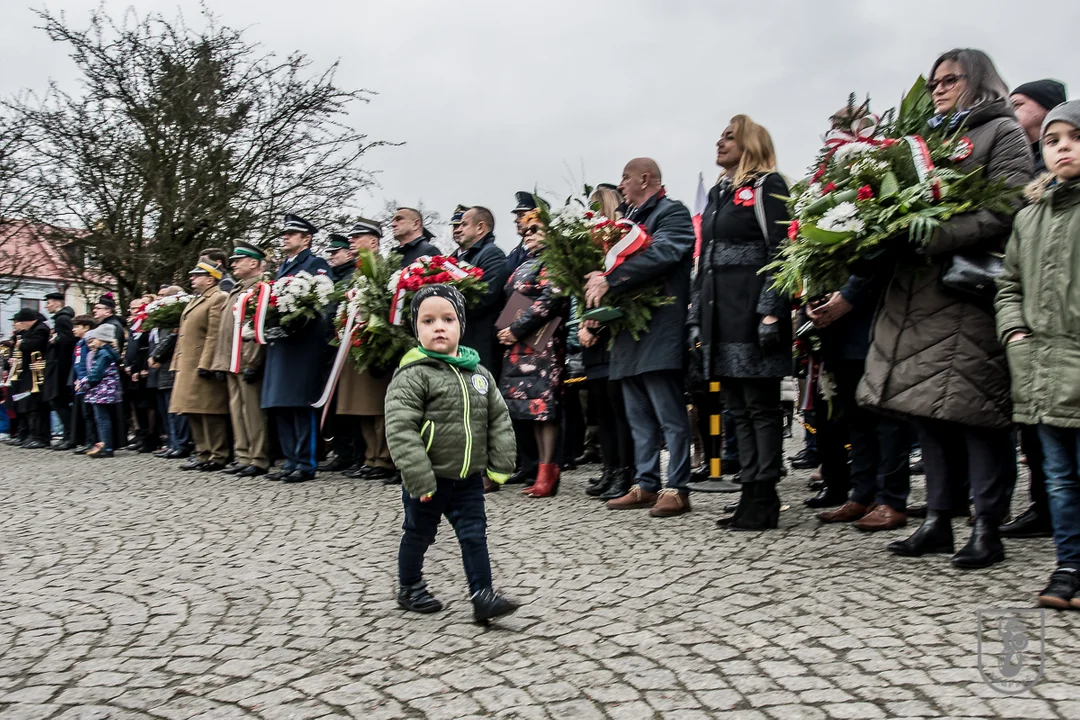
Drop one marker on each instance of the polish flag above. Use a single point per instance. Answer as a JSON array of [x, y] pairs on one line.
[[700, 201]]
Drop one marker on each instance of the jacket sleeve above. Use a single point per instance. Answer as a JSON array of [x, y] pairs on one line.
[[673, 241], [405, 400], [213, 331], [771, 301], [165, 348], [65, 333], [1010, 158], [102, 360], [1009, 301], [502, 443], [542, 309]]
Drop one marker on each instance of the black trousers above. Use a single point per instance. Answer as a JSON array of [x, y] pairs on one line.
[[754, 404], [79, 433], [35, 423], [1032, 447], [344, 430], [573, 423], [616, 441], [956, 454], [879, 471], [528, 456], [298, 433]]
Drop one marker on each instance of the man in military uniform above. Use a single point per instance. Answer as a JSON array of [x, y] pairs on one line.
[[58, 360], [455, 222], [251, 448], [476, 246], [198, 392], [412, 237], [526, 202], [296, 364], [342, 430], [32, 337]]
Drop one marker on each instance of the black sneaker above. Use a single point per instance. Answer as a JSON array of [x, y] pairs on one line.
[[805, 460], [488, 605], [1063, 588], [416, 598]]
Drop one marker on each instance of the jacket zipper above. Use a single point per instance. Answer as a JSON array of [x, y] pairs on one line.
[[468, 425]]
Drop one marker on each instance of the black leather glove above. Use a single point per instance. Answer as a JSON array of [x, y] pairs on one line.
[[250, 375], [204, 373], [769, 337], [693, 337], [219, 375]]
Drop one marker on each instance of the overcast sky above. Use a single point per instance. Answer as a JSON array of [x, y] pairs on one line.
[[494, 96]]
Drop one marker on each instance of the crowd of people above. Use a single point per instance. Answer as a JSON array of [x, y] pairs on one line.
[[912, 368]]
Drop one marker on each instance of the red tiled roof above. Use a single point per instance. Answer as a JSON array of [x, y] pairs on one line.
[[26, 251]]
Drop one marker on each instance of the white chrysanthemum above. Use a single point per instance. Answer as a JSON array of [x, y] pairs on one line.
[[568, 216], [809, 195], [868, 167], [852, 149], [842, 218]]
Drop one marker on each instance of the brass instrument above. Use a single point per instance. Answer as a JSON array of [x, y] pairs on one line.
[[16, 366], [37, 371]]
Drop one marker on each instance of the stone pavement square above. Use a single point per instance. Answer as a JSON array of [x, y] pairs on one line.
[[129, 589]]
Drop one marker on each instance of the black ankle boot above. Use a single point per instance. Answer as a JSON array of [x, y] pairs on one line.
[[604, 482], [624, 480], [488, 605], [933, 536], [759, 508], [416, 598], [983, 549], [827, 497]]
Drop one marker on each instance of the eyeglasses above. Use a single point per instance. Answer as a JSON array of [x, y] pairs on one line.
[[948, 82], [533, 229]]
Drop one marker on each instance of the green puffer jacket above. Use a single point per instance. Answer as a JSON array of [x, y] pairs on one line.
[[1039, 294], [446, 421]]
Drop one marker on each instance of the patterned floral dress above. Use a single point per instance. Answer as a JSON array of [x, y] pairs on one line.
[[531, 380]]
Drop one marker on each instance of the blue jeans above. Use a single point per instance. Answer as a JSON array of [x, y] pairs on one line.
[[462, 502], [1061, 448], [103, 420], [656, 409]]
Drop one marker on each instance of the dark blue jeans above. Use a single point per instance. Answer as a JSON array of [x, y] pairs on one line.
[[656, 409], [1061, 448], [103, 420], [462, 502]]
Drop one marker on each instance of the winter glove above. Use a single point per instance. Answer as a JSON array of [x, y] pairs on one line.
[[769, 337], [251, 375], [205, 374], [693, 338], [219, 375]]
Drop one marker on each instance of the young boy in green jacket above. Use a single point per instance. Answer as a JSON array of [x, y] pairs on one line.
[[446, 426], [1038, 321]]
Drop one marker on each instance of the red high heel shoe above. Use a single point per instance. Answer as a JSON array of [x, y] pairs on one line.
[[547, 481]]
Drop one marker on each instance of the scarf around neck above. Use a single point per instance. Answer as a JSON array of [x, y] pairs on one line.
[[467, 358]]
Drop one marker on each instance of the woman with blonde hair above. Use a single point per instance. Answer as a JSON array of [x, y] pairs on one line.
[[738, 320]]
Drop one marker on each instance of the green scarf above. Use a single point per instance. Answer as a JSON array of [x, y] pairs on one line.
[[466, 358]]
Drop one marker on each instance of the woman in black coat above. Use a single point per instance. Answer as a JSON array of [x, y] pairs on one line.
[[742, 324]]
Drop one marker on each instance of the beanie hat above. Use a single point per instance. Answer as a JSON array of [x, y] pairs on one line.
[[1068, 112], [105, 332], [447, 292], [107, 300], [1048, 93]]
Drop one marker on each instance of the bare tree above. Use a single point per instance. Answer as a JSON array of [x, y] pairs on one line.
[[183, 139], [19, 196]]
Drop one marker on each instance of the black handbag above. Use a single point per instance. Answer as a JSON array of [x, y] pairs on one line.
[[971, 275]]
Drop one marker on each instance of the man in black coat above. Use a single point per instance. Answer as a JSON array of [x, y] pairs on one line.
[[413, 238], [651, 368], [33, 337], [58, 358], [476, 246]]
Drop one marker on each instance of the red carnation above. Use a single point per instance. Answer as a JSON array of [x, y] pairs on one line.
[[865, 193], [793, 230], [828, 188]]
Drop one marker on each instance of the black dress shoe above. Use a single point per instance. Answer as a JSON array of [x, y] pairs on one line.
[[935, 535], [34, 445], [488, 605], [298, 476], [163, 452], [192, 464], [82, 450], [1028, 524], [620, 486], [232, 468], [590, 456], [250, 471], [280, 474], [338, 464], [983, 549], [210, 466], [523, 476], [394, 478], [178, 454], [607, 479], [358, 472], [826, 498], [416, 598], [100, 454], [805, 460], [64, 445]]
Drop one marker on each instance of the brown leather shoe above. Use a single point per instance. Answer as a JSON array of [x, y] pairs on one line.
[[491, 486], [882, 517], [636, 498], [671, 502], [848, 512]]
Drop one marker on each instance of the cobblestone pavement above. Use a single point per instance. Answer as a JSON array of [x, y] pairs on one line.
[[133, 590]]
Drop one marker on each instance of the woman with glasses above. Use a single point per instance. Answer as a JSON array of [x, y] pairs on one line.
[[935, 355], [534, 359]]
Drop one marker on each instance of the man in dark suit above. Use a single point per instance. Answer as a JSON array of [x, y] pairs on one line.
[[296, 365], [476, 246], [58, 358], [413, 238]]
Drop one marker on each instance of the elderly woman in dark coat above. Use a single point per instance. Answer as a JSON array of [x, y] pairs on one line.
[[742, 324], [935, 357], [531, 380]]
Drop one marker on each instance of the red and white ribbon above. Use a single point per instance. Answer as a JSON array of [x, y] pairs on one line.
[[351, 326], [262, 302], [633, 241], [396, 316], [239, 309], [920, 156]]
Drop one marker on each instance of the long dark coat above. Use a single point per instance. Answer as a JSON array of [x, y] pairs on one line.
[[34, 339], [932, 354], [668, 257], [59, 356], [480, 319], [295, 369], [730, 296], [531, 380]]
